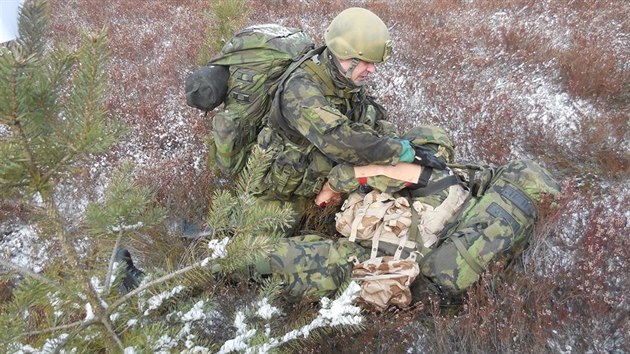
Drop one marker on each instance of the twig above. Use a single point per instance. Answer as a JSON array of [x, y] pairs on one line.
[[53, 329], [29, 273], [111, 263], [81, 327], [150, 284], [112, 333]]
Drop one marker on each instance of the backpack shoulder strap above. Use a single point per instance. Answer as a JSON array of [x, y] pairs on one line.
[[330, 88], [277, 120], [296, 64]]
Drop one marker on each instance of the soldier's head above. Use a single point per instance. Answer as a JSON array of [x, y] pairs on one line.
[[358, 39]]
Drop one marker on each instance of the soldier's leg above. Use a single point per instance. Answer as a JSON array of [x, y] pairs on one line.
[[311, 266]]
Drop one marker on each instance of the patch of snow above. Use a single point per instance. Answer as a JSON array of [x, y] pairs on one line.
[[265, 310], [196, 313], [22, 246], [218, 248], [89, 313], [118, 228], [156, 301]]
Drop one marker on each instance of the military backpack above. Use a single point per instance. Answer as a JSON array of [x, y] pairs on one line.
[[244, 77]]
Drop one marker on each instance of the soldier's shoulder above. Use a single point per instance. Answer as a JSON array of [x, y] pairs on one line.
[[304, 82]]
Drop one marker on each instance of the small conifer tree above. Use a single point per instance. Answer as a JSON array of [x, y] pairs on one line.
[[226, 17]]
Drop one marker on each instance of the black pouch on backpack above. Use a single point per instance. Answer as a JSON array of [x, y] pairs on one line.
[[206, 87]]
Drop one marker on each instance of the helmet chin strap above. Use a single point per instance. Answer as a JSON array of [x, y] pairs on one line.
[[353, 65], [346, 73]]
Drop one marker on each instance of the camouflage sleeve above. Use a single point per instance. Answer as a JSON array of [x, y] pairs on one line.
[[386, 128], [308, 111]]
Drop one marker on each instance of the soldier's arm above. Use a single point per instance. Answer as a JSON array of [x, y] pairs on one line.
[[308, 112], [345, 179]]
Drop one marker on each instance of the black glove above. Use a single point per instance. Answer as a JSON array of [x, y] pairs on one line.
[[425, 157]]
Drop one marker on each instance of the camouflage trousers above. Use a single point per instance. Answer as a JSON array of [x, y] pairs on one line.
[[311, 266]]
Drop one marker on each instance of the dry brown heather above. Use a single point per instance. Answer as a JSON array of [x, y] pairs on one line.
[[548, 80]]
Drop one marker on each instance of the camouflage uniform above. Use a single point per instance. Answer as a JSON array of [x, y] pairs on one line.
[[314, 266], [321, 119], [311, 265]]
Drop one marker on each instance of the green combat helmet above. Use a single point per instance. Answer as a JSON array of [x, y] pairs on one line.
[[357, 33]]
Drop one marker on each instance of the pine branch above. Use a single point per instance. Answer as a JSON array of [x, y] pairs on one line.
[[31, 26], [56, 328], [25, 142], [221, 211], [87, 102], [53, 215], [79, 329], [127, 206], [264, 218], [107, 324], [254, 171], [150, 284]]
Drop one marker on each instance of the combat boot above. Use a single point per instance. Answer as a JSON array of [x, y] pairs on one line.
[[132, 276]]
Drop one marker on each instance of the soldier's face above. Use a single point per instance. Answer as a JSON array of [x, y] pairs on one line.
[[361, 72]]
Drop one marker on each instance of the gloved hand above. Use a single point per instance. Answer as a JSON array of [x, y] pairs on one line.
[[425, 157]]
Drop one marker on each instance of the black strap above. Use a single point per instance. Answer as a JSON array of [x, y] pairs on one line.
[[435, 187], [425, 176]]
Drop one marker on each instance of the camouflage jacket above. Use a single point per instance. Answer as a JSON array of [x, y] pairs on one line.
[[318, 121]]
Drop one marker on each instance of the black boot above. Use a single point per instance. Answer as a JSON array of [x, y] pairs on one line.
[[132, 275]]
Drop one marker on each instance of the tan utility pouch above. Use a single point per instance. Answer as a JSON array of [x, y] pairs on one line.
[[385, 280]]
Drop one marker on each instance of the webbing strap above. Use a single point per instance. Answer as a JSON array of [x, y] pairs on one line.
[[401, 245], [435, 187], [381, 276], [317, 70], [355, 224], [375, 239], [415, 220], [357, 219], [467, 256], [272, 119], [395, 240], [230, 153]]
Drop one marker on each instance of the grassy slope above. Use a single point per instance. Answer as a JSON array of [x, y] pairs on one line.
[[507, 79]]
